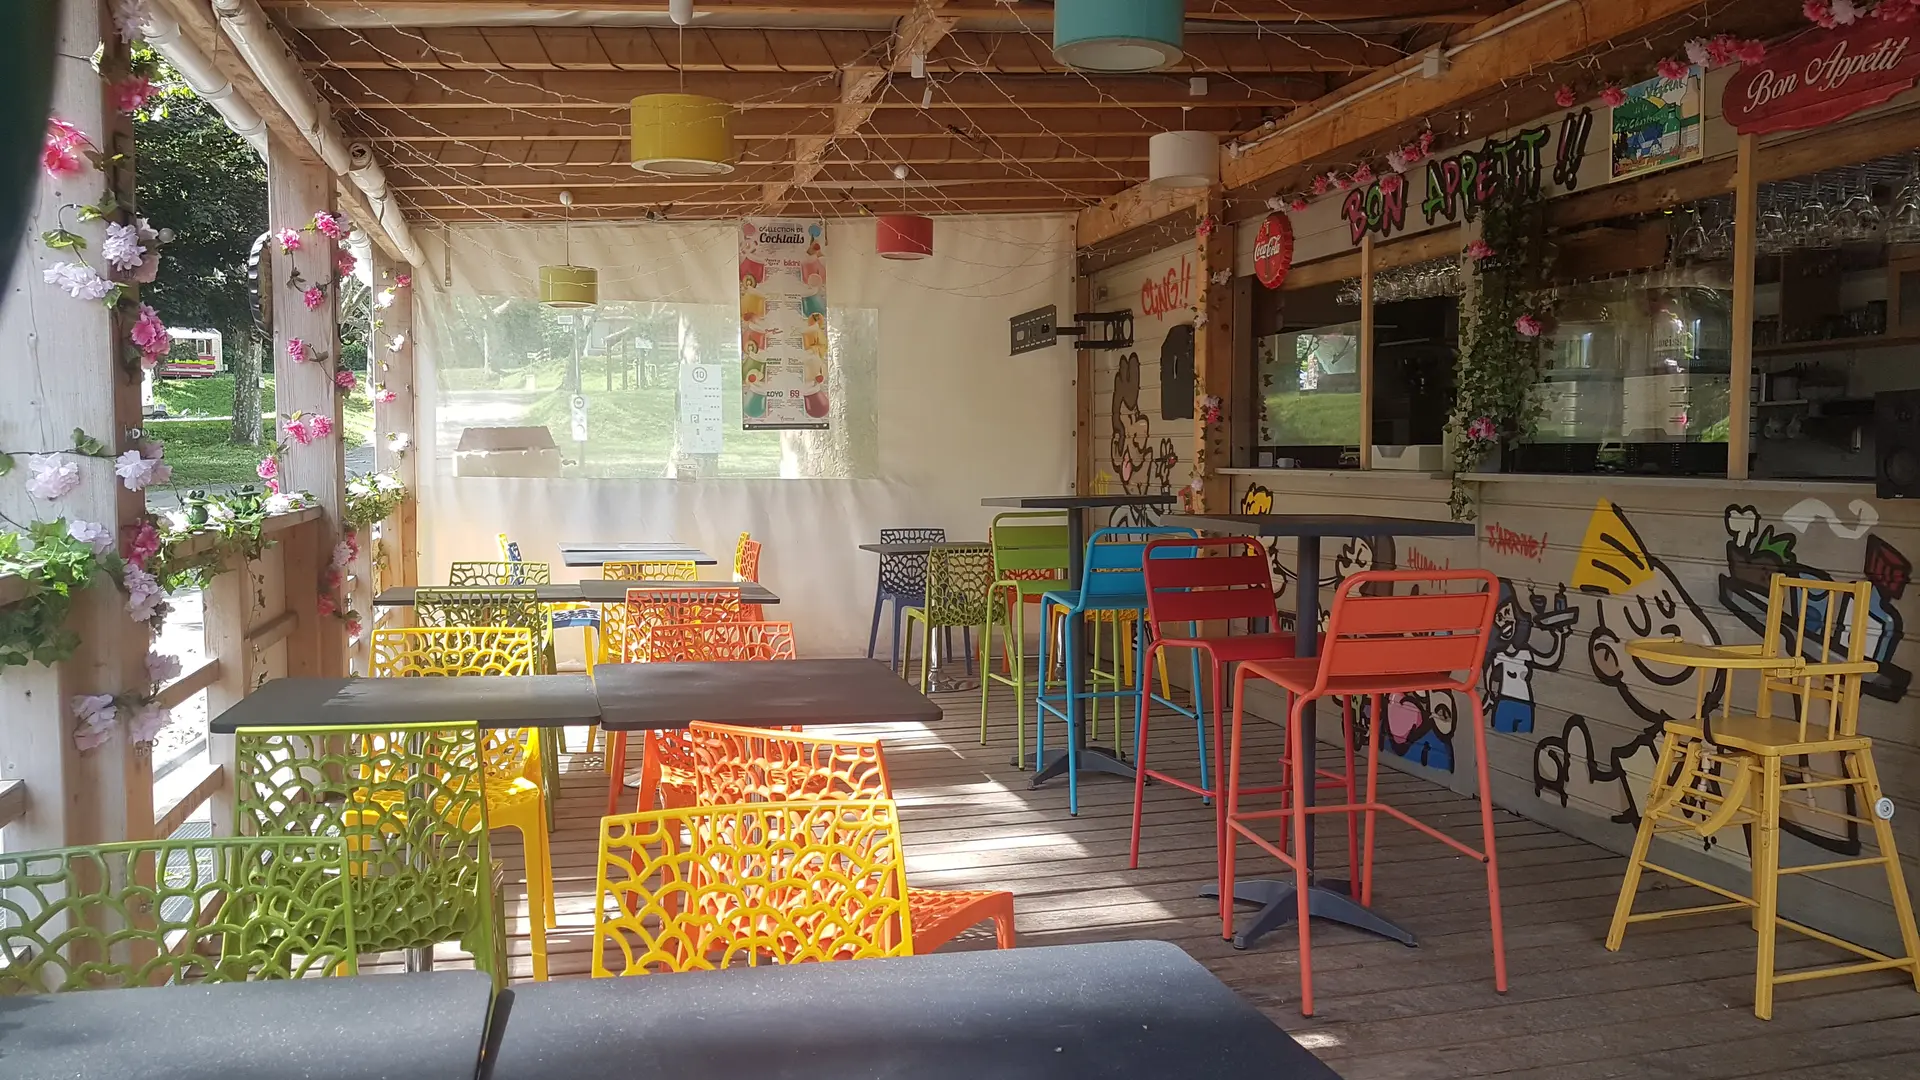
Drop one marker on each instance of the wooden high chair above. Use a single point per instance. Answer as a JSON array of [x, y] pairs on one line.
[[1735, 768]]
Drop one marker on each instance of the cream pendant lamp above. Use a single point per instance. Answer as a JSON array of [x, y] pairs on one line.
[[1118, 35], [567, 285], [1183, 159]]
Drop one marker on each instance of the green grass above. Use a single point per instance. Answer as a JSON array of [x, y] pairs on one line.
[[1312, 419], [202, 452]]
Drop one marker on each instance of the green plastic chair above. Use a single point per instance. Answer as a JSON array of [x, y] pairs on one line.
[[147, 913], [410, 802], [958, 576], [1030, 558], [512, 573]]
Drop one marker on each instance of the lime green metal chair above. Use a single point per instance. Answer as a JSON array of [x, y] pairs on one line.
[[154, 912], [410, 802], [1030, 558], [510, 574], [958, 576]]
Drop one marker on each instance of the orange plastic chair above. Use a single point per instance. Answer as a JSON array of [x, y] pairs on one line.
[[613, 617], [750, 765], [646, 609], [746, 567], [706, 887], [685, 642], [1374, 646], [1190, 582]]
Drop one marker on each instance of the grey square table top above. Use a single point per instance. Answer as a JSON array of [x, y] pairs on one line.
[[598, 591], [585, 553], [1071, 1012], [773, 693], [920, 547], [1077, 502], [492, 701], [428, 1026], [1319, 525]]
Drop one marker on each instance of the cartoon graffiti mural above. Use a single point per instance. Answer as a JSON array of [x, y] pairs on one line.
[[1756, 552], [1634, 595], [1143, 467], [1523, 642]]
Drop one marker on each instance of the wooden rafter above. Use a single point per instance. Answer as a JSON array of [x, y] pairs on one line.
[[1032, 12], [919, 31]]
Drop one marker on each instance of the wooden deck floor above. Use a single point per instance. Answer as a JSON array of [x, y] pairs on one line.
[[1675, 1002]]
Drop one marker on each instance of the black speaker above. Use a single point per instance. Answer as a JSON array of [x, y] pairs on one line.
[[1896, 444]]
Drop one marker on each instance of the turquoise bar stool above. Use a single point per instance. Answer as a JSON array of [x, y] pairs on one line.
[[1112, 580]]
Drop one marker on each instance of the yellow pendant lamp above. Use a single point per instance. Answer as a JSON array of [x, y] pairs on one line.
[[567, 285], [682, 135]]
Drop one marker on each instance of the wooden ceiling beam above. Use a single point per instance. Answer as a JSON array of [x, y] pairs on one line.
[[832, 208], [723, 49], [987, 128], [599, 90], [1031, 12], [426, 177], [1121, 152], [692, 193]]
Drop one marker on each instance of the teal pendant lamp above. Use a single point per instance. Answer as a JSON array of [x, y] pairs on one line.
[[1118, 35]]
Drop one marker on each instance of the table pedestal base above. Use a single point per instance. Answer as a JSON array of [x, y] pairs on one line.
[[1091, 759], [1327, 900]]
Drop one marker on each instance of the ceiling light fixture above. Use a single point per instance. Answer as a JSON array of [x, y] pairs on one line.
[[680, 11], [682, 135], [1183, 159], [566, 285], [919, 64], [1118, 35]]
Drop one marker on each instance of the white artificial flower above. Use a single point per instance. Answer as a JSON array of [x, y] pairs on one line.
[[144, 594], [148, 721], [383, 299], [162, 668], [280, 504], [1845, 12], [177, 520], [96, 713], [399, 342], [79, 280], [1697, 53], [93, 534], [399, 441], [130, 17], [342, 555], [388, 482], [219, 512], [53, 475], [122, 248], [139, 471]]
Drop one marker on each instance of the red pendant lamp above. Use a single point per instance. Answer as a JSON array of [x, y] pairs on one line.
[[903, 236]]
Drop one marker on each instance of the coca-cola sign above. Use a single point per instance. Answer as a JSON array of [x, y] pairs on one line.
[[1273, 250], [1821, 76]]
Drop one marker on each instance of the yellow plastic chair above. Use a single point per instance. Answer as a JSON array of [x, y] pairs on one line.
[[1740, 769], [511, 766], [613, 617], [699, 888]]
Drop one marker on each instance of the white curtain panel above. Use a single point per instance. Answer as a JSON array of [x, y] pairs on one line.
[[958, 418]]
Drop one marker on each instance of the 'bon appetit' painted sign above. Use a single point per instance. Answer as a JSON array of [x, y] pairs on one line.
[[1821, 76]]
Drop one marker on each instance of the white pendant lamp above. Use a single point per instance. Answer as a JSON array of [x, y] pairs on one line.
[[1118, 35], [1183, 159], [566, 285]]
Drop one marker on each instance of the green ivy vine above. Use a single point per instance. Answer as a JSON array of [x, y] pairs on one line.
[[54, 565], [1499, 365]]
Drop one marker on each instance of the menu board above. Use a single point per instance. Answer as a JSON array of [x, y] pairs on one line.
[[1658, 125], [783, 323]]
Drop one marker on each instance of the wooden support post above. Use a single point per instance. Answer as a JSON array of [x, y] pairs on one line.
[[1366, 351], [1082, 392], [228, 610], [391, 361], [67, 363], [1213, 358], [1746, 220], [297, 189]]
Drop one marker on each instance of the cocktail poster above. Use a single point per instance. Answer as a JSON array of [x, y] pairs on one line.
[[783, 323]]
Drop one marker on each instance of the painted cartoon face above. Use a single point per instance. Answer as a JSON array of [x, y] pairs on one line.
[[1132, 446], [1355, 557], [1506, 619]]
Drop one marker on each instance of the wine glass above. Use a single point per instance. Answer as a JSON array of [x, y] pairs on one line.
[[1903, 224]]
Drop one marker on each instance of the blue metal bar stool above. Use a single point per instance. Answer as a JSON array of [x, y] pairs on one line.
[[1113, 580]]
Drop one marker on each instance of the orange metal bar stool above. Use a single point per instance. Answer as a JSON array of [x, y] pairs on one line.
[[1375, 646], [1189, 582]]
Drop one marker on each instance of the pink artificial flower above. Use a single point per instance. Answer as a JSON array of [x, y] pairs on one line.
[[273, 487], [298, 431], [1672, 69], [353, 628], [1819, 13], [1320, 184], [132, 93], [1845, 12], [313, 298], [1723, 49], [1564, 96], [1344, 183], [324, 605], [1298, 204], [150, 334], [1481, 430], [343, 262], [1391, 183], [385, 397], [329, 225], [1613, 96], [1425, 141], [1750, 52], [1479, 249], [1528, 326], [322, 426], [267, 470], [1416, 152], [298, 351], [403, 281], [344, 379], [66, 150], [353, 545], [1363, 174], [1894, 11], [289, 241], [331, 578], [141, 542]]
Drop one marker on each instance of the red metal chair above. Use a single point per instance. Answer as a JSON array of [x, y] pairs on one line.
[[1190, 582], [1375, 646]]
